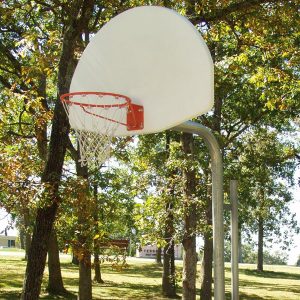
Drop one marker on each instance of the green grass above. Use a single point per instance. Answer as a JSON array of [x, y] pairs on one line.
[[11, 250], [142, 280]]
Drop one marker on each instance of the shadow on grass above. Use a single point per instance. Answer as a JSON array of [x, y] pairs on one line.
[[69, 266], [243, 296], [13, 295], [271, 274], [131, 291], [149, 270], [66, 295], [270, 286], [10, 261]]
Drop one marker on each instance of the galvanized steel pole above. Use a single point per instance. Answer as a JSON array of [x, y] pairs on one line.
[[234, 241], [217, 201]]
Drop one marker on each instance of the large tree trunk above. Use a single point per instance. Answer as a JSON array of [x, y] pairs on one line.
[[206, 268], [57, 147], [27, 243], [55, 282], [260, 251], [97, 266], [38, 252], [190, 221], [168, 276], [85, 275], [85, 211]]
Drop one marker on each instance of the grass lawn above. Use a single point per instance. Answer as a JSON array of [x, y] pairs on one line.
[[142, 280]]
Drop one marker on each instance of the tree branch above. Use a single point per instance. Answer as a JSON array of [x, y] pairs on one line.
[[11, 58], [222, 13], [21, 135], [72, 150], [5, 82]]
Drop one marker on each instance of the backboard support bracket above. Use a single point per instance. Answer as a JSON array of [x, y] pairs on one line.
[[217, 201], [135, 117]]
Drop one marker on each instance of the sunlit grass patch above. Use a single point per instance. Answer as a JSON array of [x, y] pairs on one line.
[[142, 280]]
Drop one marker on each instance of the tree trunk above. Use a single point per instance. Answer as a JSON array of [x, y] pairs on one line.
[[55, 282], [84, 211], [53, 168], [22, 239], [57, 147], [158, 256], [260, 251], [97, 267], [26, 217], [168, 278], [85, 275], [38, 252], [240, 247], [27, 243], [189, 269], [75, 260], [190, 221], [206, 268]]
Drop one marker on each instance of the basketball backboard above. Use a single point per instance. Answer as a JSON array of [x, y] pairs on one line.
[[154, 56]]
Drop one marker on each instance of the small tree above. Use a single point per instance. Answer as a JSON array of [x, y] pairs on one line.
[[298, 262]]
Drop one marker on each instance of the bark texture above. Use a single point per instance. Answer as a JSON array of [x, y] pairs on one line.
[[84, 211], [55, 282], [206, 267], [81, 12], [38, 252], [85, 275], [190, 221], [260, 250], [97, 266], [158, 256], [27, 232], [168, 280], [168, 276]]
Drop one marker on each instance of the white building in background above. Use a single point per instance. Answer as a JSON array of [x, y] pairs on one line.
[[149, 251], [8, 241]]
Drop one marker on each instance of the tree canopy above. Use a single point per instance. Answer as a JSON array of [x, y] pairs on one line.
[[255, 48]]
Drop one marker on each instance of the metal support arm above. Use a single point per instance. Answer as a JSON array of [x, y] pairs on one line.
[[217, 201]]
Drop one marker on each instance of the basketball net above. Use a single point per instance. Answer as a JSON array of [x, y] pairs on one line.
[[94, 136]]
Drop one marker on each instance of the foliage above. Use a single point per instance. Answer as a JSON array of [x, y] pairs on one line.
[[249, 255], [255, 48], [265, 178], [102, 213], [158, 162]]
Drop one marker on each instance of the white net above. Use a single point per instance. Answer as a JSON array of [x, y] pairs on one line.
[[95, 126]]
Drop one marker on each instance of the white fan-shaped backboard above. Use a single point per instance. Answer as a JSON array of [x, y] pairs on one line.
[[154, 56]]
